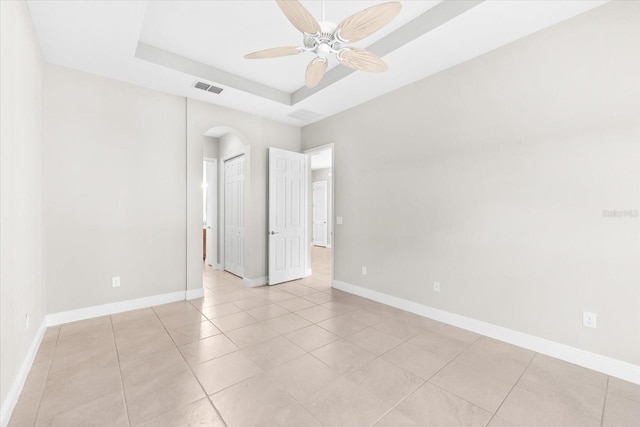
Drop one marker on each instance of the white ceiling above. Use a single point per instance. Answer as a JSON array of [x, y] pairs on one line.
[[168, 45]]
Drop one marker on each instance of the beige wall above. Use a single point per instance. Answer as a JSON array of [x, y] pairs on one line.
[[491, 178], [22, 290], [210, 147], [114, 185]]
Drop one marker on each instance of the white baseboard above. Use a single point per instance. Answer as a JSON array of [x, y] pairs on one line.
[[218, 266], [194, 293], [113, 308], [18, 383], [328, 246], [252, 283], [597, 362]]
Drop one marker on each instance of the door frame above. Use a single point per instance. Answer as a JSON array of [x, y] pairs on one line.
[[308, 233], [322, 183]]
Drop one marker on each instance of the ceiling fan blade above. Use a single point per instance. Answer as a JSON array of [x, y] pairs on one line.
[[274, 52], [368, 21], [362, 59], [315, 71], [299, 16]]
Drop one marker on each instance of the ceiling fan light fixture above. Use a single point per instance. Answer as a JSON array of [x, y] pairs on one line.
[[326, 38]]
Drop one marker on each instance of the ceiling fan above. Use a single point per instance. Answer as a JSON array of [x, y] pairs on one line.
[[325, 38]]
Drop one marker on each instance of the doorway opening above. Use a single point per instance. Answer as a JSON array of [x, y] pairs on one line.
[[320, 219], [234, 215]]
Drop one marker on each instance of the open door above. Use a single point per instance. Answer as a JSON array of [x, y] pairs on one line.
[[234, 216], [287, 177]]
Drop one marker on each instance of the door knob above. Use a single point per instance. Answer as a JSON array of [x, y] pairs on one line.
[[273, 232]]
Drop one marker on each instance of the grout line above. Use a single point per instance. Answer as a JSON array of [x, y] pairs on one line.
[[192, 372], [53, 353], [512, 387], [604, 404], [124, 393]]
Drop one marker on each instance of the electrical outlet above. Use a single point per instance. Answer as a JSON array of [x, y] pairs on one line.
[[364, 270], [339, 220], [589, 319], [436, 286], [115, 281], [26, 322]]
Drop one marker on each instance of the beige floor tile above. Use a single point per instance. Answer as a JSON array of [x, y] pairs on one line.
[[252, 334], [312, 337], [173, 308], [315, 314], [624, 389], [253, 302], [161, 394], [295, 304], [47, 345], [83, 388], [342, 325], [303, 376], [273, 352], [526, 407], [476, 386], [258, 401], [67, 365], [368, 316], [620, 411], [124, 320], [225, 371], [396, 418], [220, 310], [177, 320], [319, 297], [146, 368], [502, 360], [374, 340], [267, 311], [340, 306], [287, 323], [206, 349], [200, 413], [344, 403], [107, 410], [193, 332], [571, 385], [399, 329], [24, 413], [415, 360], [234, 321], [455, 333], [432, 406], [96, 327], [343, 356], [499, 422], [295, 416], [439, 345], [278, 296], [386, 381], [139, 345]]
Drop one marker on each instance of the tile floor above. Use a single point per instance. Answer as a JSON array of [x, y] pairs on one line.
[[303, 354]]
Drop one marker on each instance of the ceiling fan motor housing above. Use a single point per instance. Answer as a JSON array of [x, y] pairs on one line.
[[325, 42]]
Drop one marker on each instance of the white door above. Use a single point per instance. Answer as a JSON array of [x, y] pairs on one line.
[[287, 178], [212, 213], [234, 216], [320, 213]]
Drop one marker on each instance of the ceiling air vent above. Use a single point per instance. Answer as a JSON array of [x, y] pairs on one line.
[[305, 115], [207, 87]]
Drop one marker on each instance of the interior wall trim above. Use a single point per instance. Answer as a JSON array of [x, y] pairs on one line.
[[194, 294], [597, 362], [11, 400], [114, 308], [258, 281]]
